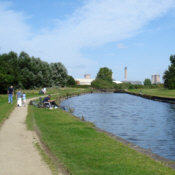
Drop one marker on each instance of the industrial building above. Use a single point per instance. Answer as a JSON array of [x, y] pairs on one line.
[[84, 81], [87, 80], [155, 79]]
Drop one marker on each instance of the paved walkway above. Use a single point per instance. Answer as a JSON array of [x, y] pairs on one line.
[[18, 156]]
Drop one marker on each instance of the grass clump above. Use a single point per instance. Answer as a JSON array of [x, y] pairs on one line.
[[103, 84]]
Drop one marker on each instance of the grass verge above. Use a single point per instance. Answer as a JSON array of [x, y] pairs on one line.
[[5, 108], [85, 151], [155, 92]]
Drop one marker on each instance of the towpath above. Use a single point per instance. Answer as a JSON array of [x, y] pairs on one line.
[[18, 155]]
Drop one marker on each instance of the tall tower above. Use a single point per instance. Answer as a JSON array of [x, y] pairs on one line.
[[126, 73]]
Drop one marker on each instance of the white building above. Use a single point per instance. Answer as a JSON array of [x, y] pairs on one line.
[[155, 79], [117, 82], [84, 81]]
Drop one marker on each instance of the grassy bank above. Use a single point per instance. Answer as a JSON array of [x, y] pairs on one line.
[[155, 92], [85, 151], [5, 108]]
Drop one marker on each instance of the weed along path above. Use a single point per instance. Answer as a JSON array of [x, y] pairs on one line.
[[18, 155]]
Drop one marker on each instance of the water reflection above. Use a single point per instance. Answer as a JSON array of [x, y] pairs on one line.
[[147, 123]]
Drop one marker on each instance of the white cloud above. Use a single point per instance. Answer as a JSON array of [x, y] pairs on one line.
[[13, 29], [96, 23]]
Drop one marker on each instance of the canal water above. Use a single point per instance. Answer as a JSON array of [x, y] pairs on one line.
[[149, 124]]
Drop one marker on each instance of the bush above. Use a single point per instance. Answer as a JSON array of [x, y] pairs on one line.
[[123, 86], [147, 82], [102, 84], [71, 81]]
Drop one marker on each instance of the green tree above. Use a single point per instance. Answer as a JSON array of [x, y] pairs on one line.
[[169, 75], [58, 74], [8, 71], [70, 81], [103, 79], [147, 82], [28, 72], [104, 74]]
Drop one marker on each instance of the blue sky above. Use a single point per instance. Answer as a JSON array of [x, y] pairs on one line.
[[88, 34]]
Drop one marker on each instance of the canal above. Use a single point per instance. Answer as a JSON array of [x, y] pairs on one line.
[[149, 124]]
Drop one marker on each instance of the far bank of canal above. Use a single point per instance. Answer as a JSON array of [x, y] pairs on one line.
[[149, 124]]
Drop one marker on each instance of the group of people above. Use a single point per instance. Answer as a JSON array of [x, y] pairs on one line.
[[21, 97]]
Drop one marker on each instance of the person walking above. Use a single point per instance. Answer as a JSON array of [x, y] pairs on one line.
[[10, 94], [24, 99], [18, 96]]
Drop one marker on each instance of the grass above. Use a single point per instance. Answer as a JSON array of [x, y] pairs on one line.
[[57, 91], [61, 92], [5, 108], [85, 151], [155, 92]]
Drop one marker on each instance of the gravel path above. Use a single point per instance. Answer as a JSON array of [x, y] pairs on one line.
[[18, 156]]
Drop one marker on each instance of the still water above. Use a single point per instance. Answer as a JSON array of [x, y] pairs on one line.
[[147, 123]]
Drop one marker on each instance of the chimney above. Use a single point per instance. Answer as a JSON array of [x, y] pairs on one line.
[[126, 73]]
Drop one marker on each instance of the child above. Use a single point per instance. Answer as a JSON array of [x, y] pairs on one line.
[[24, 99], [18, 96]]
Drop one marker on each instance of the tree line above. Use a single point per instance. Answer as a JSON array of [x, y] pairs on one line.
[[23, 71], [27, 72]]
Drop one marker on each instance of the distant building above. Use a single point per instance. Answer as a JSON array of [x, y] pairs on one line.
[[84, 81], [117, 82], [155, 79]]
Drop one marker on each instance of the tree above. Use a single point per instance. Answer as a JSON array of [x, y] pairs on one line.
[[70, 81], [103, 79], [8, 71], [147, 82], [104, 74], [169, 75], [28, 72], [58, 74]]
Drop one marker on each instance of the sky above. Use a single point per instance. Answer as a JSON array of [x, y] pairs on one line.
[[86, 35]]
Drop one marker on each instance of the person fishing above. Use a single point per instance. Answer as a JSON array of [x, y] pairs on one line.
[[48, 100]]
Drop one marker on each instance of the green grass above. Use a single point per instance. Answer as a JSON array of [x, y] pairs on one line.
[[57, 91], [61, 92], [85, 151], [155, 92], [5, 108]]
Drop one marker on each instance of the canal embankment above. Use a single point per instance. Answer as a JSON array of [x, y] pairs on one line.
[[147, 96], [82, 149]]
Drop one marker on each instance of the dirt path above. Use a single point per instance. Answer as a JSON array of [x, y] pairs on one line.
[[18, 156]]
